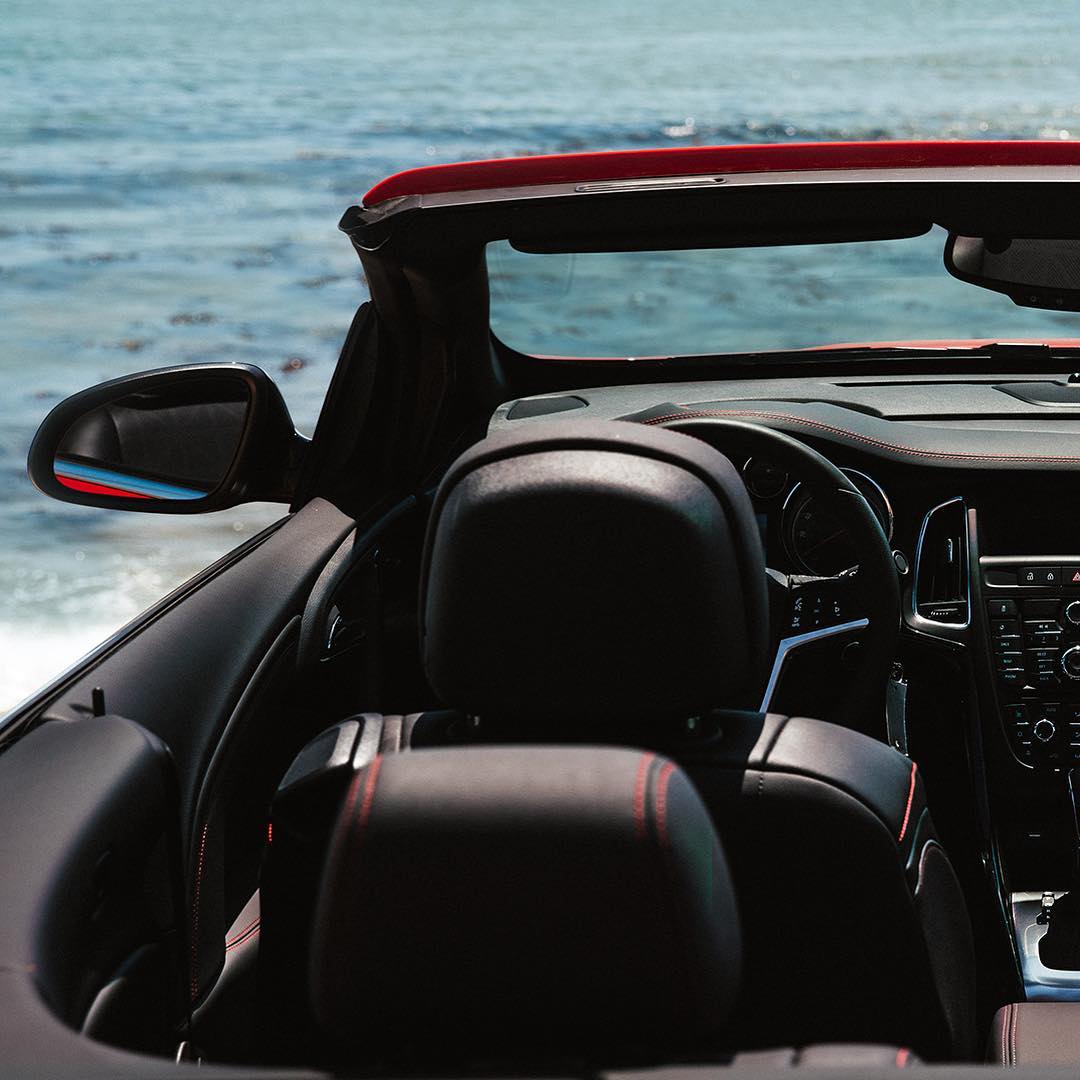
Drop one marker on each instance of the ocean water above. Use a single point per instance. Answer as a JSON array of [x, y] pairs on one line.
[[171, 176]]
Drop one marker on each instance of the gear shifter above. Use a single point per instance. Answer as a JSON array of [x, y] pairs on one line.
[[1060, 947]]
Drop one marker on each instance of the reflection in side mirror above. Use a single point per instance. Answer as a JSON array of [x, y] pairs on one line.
[[1040, 272], [183, 440], [176, 441]]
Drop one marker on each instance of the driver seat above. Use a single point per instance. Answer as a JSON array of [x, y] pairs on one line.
[[598, 581]]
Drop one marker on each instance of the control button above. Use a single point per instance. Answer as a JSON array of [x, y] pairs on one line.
[[1016, 713], [1047, 678], [1040, 575], [1010, 626], [1070, 575], [1070, 662], [1007, 643], [1048, 640], [1011, 677], [1044, 653], [1041, 626], [1072, 613], [1044, 730], [1000, 609], [1009, 663]]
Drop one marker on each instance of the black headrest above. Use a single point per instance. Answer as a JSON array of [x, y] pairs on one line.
[[523, 902], [593, 568]]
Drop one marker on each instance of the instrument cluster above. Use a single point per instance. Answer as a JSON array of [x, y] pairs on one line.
[[813, 540]]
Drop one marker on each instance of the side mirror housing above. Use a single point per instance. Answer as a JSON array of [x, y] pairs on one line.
[[181, 440]]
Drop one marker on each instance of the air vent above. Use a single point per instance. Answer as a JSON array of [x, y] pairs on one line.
[[941, 593]]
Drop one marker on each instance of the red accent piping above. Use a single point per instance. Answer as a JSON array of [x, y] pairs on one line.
[[369, 797], [704, 414], [701, 160], [195, 913], [250, 926], [661, 802], [639, 794], [246, 935], [902, 1056], [907, 809]]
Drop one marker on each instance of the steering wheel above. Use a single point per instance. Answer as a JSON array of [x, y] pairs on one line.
[[863, 604]]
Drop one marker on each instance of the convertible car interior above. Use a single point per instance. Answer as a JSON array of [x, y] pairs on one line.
[[647, 711]]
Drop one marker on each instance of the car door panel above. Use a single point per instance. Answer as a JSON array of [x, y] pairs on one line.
[[182, 675]]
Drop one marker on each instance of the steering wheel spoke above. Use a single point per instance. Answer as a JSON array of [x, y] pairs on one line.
[[812, 609]]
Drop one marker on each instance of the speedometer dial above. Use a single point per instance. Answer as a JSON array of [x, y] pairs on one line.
[[816, 542]]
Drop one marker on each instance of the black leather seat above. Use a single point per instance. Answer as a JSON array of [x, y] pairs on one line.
[[600, 580], [522, 904]]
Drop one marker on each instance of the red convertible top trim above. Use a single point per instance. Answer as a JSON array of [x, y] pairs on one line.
[[695, 160]]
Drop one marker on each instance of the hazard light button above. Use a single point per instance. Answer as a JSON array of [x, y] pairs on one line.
[[1070, 575]]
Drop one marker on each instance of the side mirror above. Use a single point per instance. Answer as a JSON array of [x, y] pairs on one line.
[[182, 440]]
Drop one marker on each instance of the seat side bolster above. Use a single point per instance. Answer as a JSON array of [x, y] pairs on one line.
[[881, 778]]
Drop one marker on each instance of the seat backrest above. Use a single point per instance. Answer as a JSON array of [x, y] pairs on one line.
[[593, 579], [522, 904], [845, 885]]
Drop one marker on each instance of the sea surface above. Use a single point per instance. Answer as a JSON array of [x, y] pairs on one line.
[[171, 177]]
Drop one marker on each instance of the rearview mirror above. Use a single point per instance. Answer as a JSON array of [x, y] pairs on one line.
[[180, 440], [1041, 273]]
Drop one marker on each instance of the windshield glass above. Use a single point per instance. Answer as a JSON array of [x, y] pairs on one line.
[[659, 303]]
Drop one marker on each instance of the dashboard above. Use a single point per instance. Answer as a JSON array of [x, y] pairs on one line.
[[973, 479]]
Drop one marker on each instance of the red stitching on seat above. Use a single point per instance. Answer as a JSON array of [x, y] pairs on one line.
[[703, 414], [661, 802], [902, 1056], [639, 795], [907, 811], [195, 914]]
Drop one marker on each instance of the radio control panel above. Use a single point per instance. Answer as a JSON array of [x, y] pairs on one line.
[[1035, 647]]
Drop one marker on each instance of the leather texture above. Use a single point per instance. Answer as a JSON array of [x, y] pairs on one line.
[[531, 903], [1041, 1033], [556, 551], [855, 925]]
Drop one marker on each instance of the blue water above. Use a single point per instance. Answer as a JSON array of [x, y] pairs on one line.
[[171, 176]]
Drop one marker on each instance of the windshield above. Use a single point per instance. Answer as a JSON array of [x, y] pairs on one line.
[[659, 303]]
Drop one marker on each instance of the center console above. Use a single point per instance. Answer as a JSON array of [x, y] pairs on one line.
[[1032, 642], [1033, 619]]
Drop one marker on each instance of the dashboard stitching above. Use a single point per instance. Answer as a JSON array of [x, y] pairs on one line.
[[693, 414]]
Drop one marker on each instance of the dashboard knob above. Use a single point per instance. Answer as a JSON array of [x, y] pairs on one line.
[[1072, 613], [1044, 730], [1070, 662]]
